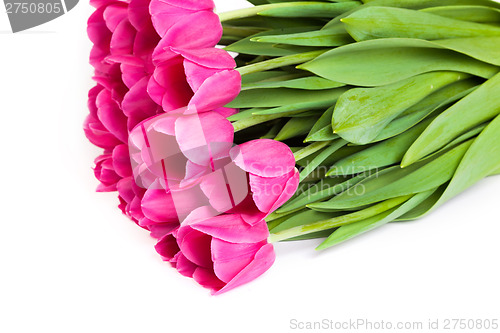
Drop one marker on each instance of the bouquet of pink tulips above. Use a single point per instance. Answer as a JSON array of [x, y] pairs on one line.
[[387, 108]]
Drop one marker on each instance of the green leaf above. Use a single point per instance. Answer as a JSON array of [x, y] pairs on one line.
[[380, 155], [324, 189], [424, 208], [481, 14], [385, 61], [296, 127], [478, 163], [434, 103], [318, 132], [275, 75], [336, 36], [479, 106], [349, 231], [420, 4], [387, 22], [309, 9], [305, 217], [481, 160], [396, 181], [320, 104], [247, 46], [362, 113], [339, 220], [332, 148], [307, 83], [268, 98]]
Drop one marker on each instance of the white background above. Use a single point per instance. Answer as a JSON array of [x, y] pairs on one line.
[[71, 262]]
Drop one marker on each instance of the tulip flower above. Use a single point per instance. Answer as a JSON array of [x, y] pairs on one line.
[[219, 252]]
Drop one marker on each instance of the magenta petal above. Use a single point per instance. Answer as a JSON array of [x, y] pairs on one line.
[[185, 35], [121, 161], [137, 104], [158, 205], [97, 30], [216, 91], [196, 74], [190, 4], [204, 137], [209, 57], [159, 230], [138, 14], [195, 246], [114, 14], [226, 112], [206, 278], [122, 41], [187, 199], [229, 258], [215, 189], [165, 16], [264, 157], [170, 88], [98, 134], [263, 260], [226, 187], [111, 116], [125, 190], [290, 188], [133, 73], [184, 265], [194, 172], [266, 191], [232, 228], [167, 247]]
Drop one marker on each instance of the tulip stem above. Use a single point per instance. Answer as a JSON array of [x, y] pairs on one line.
[[293, 59], [311, 149], [259, 119], [339, 220], [256, 10]]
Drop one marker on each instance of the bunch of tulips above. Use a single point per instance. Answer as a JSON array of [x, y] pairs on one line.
[[288, 120]]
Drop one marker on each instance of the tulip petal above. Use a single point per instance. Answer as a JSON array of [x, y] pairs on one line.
[[184, 265], [122, 41], [185, 35], [267, 191], [204, 137], [111, 116], [98, 134], [290, 188], [207, 278], [232, 228], [195, 246], [226, 112], [114, 14], [121, 161], [229, 258], [217, 90], [167, 247], [137, 104], [158, 205], [263, 260], [168, 86], [264, 157]]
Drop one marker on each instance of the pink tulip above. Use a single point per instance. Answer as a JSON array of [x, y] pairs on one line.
[[201, 78], [219, 252], [165, 13], [93, 127], [173, 20], [273, 177]]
